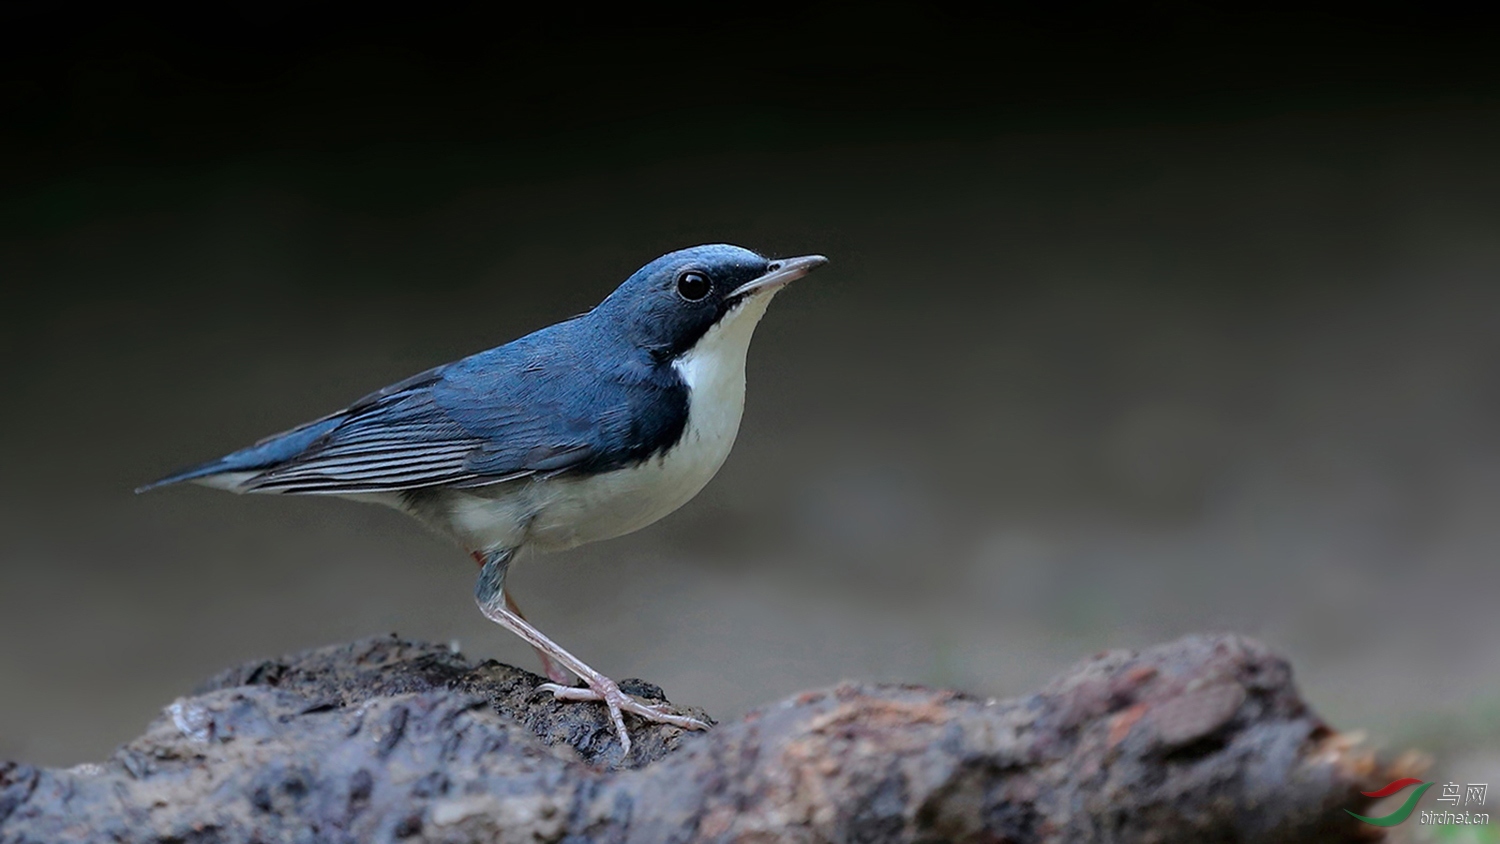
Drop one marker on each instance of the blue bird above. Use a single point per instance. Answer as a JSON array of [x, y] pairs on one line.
[[585, 430]]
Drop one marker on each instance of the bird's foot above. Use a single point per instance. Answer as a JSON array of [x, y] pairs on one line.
[[608, 692]]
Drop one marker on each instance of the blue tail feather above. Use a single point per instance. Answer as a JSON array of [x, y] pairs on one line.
[[263, 455]]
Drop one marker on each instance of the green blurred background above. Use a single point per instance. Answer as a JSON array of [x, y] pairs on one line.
[[1137, 324]]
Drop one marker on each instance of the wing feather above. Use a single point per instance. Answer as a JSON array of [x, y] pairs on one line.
[[399, 440]]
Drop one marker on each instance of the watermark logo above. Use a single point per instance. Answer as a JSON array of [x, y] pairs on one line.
[[1406, 809], [1468, 794]]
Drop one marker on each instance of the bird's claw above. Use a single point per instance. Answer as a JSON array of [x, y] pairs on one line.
[[608, 692]]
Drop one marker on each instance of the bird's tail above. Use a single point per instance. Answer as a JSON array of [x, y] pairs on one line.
[[227, 471], [193, 473]]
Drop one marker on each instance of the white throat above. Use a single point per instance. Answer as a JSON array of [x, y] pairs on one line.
[[714, 371]]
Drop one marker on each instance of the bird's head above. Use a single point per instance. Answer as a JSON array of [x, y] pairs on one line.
[[668, 305]]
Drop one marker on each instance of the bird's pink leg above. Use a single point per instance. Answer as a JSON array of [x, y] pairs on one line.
[[556, 673], [490, 595]]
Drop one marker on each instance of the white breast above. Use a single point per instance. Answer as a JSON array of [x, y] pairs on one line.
[[568, 511]]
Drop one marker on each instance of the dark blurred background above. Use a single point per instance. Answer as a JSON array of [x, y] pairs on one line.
[[1138, 323]]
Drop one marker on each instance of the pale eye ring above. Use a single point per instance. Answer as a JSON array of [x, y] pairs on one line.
[[693, 286]]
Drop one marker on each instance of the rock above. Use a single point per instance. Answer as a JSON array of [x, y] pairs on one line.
[[1199, 740]]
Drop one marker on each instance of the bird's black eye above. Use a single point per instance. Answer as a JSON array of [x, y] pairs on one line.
[[693, 285]]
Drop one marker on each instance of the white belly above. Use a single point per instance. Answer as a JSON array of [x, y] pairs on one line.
[[568, 511]]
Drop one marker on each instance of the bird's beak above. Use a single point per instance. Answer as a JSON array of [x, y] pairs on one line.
[[779, 273]]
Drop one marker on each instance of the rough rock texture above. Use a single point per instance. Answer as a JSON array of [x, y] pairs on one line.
[[1200, 740]]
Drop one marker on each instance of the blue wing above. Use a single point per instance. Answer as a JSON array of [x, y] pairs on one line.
[[544, 404]]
